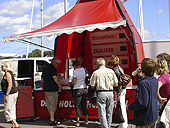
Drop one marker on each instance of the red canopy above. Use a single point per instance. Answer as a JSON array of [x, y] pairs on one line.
[[83, 16], [97, 16]]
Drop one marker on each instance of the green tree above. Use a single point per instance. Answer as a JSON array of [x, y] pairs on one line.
[[49, 53], [35, 53], [24, 56]]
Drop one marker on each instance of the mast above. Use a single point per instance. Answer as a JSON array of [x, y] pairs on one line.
[[169, 18], [65, 6], [67, 60], [30, 26], [41, 27], [141, 21]]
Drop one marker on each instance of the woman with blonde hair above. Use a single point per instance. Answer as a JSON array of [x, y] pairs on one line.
[[10, 92], [120, 92], [163, 80], [163, 89]]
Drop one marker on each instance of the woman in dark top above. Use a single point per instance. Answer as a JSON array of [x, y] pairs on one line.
[[10, 92]]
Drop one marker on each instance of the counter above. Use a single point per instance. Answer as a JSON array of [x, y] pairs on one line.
[[65, 107]]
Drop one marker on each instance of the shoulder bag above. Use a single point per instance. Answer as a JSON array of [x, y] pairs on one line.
[[117, 116], [124, 79]]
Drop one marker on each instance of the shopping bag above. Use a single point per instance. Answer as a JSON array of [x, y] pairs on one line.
[[117, 116]]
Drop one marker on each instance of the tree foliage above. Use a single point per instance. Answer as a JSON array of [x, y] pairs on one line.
[[49, 53], [37, 53]]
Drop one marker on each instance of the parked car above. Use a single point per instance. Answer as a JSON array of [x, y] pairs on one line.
[[27, 70]]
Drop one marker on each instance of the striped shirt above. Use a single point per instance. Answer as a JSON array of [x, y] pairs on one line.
[[49, 84], [103, 78]]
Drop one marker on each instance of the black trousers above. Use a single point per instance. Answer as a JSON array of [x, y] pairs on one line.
[[80, 97]]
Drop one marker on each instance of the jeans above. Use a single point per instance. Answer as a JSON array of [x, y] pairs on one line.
[[105, 107]]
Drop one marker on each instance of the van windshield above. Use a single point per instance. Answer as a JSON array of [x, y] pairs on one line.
[[40, 64]]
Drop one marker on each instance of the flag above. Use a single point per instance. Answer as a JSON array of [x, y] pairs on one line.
[[124, 1]]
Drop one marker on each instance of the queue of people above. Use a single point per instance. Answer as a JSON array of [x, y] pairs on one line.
[[105, 79]]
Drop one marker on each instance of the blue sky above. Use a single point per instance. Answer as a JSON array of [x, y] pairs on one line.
[[15, 19]]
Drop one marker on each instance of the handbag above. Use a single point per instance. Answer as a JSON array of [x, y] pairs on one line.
[[117, 116], [124, 79], [87, 80]]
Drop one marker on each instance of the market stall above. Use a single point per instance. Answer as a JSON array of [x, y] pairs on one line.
[[91, 29]]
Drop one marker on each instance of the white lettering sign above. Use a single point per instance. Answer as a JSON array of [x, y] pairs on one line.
[[69, 104], [107, 36], [43, 103], [66, 104], [108, 50]]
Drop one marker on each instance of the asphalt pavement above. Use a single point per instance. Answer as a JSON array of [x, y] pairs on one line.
[[40, 122]]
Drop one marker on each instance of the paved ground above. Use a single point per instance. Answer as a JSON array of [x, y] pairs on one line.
[[44, 122]]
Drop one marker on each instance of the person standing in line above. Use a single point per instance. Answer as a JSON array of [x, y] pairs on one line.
[[163, 89], [79, 92], [51, 87], [10, 92], [166, 56], [119, 91], [105, 80], [145, 106], [81, 61]]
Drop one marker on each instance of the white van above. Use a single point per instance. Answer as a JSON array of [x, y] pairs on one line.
[[27, 70]]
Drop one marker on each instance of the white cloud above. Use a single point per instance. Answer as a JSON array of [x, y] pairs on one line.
[[15, 15], [148, 33], [15, 19], [16, 8], [52, 13], [9, 24], [168, 35], [160, 12]]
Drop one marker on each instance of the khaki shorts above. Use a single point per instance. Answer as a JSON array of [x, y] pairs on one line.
[[148, 126], [51, 99]]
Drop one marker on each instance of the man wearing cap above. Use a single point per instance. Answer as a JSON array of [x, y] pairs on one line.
[[51, 87]]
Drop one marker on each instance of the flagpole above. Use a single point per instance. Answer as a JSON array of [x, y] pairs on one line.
[[141, 21], [41, 27], [65, 6], [169, 18], [30, 26]]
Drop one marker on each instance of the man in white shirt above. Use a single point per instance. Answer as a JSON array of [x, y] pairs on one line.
[[104, 79]]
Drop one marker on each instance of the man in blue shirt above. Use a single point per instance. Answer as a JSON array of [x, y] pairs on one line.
[[145, 105]]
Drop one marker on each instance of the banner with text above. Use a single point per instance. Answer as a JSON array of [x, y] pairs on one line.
[[108, 50], [107, 36], [66, 109]]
